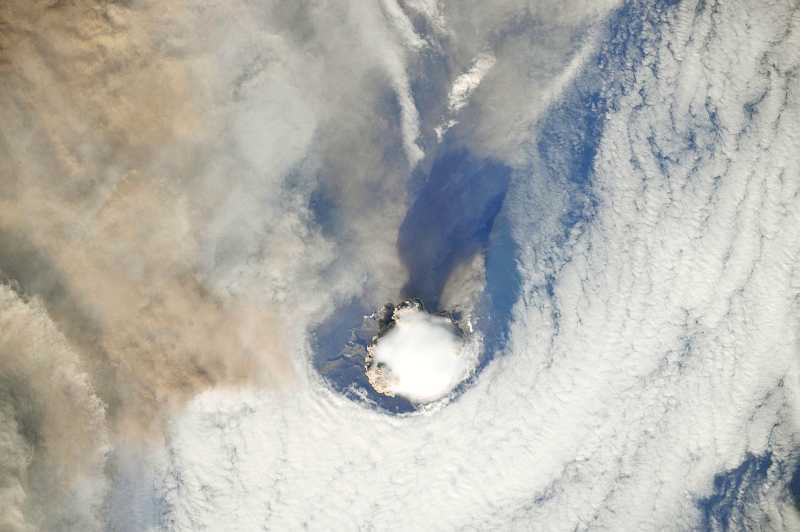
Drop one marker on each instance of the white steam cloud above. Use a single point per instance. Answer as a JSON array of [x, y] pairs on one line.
[[422, 357]]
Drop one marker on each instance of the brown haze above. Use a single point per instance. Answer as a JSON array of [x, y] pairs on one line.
[[100, 122], [102, 129]]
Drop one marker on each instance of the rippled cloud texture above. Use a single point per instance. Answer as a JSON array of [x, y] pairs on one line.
[[200, 201]]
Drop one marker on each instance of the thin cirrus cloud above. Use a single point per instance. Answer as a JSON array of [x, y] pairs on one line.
[[191, 187]]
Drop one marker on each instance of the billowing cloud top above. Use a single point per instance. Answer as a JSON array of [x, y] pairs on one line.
[[421, 356]]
